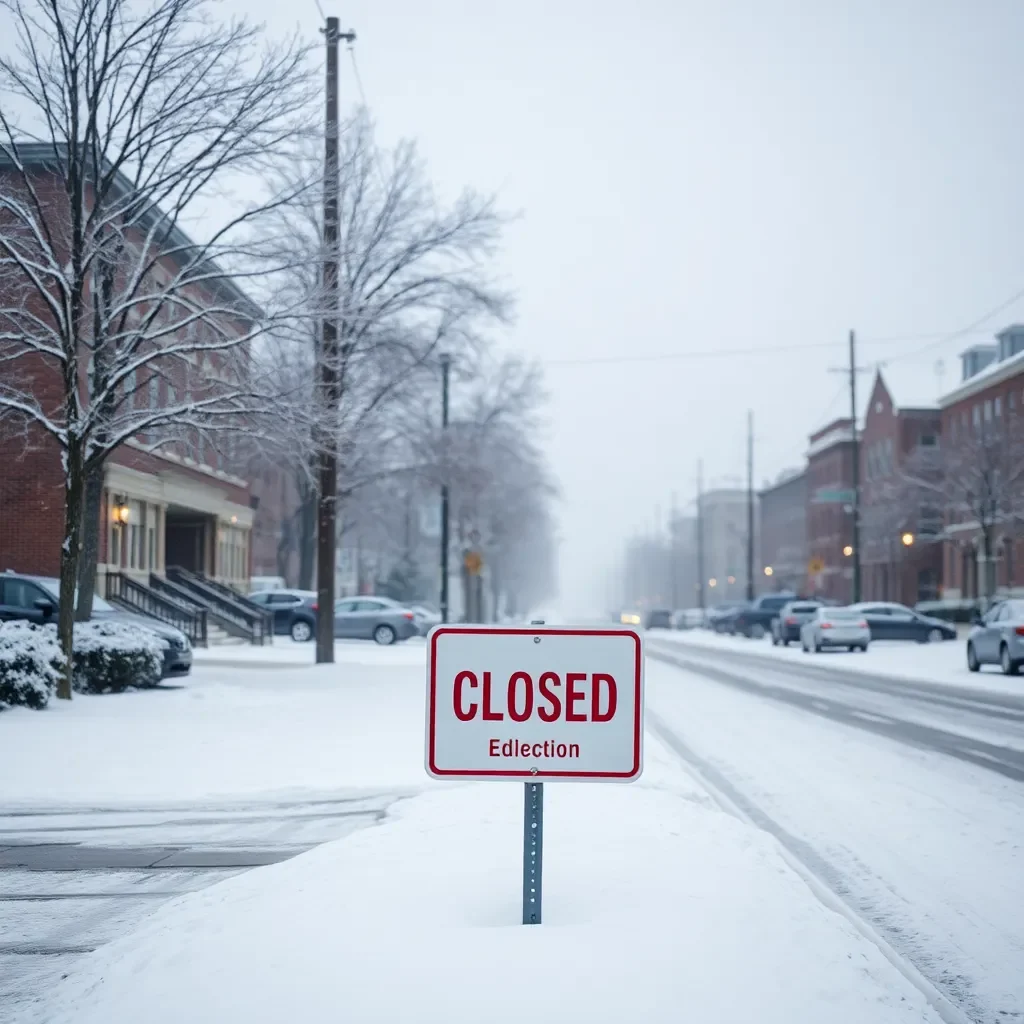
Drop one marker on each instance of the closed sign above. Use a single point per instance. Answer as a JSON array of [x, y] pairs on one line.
[[535, 702]]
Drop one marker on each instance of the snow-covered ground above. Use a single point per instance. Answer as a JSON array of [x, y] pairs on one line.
[[942, 664], [227, 733], [658, 905], [929, 848]]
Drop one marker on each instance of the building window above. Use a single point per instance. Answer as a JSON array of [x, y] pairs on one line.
[[976, 412], [154, 392], [998, 405], [151, 552], [988, 410], [929, 440]]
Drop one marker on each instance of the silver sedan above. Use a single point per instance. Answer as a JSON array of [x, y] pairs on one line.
[[997, 638], [835, 627]]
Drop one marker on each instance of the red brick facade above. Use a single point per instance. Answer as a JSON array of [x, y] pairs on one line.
[[187, 493], [829, 511], [891, 512], [990, 400]]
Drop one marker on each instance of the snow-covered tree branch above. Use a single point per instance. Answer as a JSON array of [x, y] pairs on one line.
[[127, 131]]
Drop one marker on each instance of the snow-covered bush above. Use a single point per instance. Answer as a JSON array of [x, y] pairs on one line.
[[30, 664], [111, 656]]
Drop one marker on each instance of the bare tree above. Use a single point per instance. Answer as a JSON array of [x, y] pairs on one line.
[[138, 118], [975, 482], [413, 276]]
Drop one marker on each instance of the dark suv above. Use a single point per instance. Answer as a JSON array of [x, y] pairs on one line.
[[294, 611], [756, 619], [34, 598]]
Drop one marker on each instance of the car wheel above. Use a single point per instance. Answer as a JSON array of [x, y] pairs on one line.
[[864, 648], [817, 647], [1008, 665], [384, 635], [936, 636], [301, 631], [785, 643], [756, 632], [972, 659]]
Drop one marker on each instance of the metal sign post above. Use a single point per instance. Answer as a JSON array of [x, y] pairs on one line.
[[533, 851], [533, 843]]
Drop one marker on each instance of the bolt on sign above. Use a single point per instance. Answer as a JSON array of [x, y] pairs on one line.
[[535, 703]]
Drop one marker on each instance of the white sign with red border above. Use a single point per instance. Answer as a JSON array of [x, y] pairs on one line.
[[535, 702]]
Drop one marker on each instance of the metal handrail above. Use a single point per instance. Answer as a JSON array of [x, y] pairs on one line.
[[140, 598], [257, 623]]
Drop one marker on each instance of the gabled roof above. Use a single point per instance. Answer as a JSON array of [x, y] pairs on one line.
[[913, 385]]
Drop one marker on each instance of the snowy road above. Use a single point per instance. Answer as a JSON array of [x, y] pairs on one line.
[[70, 882], [986, 729], [907, 804]]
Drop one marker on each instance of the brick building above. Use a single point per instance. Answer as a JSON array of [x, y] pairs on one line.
[[901, 552], [783, 515], [983, 423], [185, 504], [830, 511]]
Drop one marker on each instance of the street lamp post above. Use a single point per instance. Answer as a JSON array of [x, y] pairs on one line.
[[446, 363]]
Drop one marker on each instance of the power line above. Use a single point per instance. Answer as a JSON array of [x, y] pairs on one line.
[[971, 328]]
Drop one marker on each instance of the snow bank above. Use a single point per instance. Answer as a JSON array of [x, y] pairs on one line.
[[657, 908]]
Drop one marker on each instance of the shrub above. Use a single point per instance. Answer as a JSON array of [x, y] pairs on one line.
[[30, 664], [110, 657]]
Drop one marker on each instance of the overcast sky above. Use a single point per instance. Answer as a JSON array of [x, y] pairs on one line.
[[711, 177], [734, 183]]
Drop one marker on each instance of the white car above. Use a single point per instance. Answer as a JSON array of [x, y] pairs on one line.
[[835, 627], [426, 618], [688, 618]]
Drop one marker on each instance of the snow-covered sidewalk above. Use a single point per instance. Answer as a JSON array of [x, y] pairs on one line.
[[943, 664], [657, 906]]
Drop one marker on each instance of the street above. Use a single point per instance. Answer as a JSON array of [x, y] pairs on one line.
[[904, 799]]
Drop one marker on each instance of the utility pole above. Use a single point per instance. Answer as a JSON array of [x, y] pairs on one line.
[[750, 505], [856, 467], [328, 373], [700, 535], [446, 363]]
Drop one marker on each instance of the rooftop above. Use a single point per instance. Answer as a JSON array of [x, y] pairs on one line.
[[916, 386]]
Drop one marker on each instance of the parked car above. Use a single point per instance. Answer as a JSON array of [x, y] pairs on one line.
[[658, 618], [37, 599], [426, 618], [258, 583], [755, 620], [835, 627], [787, 624], [373, 618], [888, 621], [688, 618], [294, 611], [997, 638], [722, 617]]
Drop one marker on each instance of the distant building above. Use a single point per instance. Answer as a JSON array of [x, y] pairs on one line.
[[830, 511], [724, 517], [783, 541], [901, 553]]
